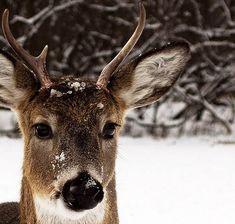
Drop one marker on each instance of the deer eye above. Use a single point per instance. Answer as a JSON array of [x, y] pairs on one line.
[[109, 130], [43, 131]]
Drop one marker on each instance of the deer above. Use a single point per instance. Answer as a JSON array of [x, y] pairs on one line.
[[70, 127]]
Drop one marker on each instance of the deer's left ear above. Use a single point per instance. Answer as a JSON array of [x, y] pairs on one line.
[[147, 78], [17, 84]]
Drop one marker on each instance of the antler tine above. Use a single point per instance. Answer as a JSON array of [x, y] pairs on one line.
[[36, 64], [113, 65]]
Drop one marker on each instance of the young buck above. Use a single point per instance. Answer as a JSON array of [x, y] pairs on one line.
[[70, 128]]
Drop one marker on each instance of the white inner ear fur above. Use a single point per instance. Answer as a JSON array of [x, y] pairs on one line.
[[6, 65], [8, 90], [154, 72]]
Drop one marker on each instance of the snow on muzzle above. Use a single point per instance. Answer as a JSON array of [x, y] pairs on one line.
[[82, 193]]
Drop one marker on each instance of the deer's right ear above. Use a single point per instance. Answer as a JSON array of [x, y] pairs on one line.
[[148, 77], [16, 82]]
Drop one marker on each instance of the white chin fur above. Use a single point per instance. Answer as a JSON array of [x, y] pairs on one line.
[[54, 211]]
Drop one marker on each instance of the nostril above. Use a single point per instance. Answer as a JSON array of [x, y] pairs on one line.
[[99, 196], [95, 192], [83, 192], [92, 191]]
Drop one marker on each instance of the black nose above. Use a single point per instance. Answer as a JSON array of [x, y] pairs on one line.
[[82, 193]]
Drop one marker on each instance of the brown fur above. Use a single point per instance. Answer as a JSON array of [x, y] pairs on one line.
[[84, 148], [9, 213]]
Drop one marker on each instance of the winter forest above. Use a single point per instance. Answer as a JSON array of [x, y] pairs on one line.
[[175, 160], [202, 101]]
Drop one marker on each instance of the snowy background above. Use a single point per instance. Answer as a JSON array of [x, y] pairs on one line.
[[181, 181], [185, 177]]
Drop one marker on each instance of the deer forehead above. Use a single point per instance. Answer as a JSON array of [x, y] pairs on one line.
[[73, 100]]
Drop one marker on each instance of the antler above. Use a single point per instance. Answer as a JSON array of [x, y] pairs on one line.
[[113, 65], [36, 64]]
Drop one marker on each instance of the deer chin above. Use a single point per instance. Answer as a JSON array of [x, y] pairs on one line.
[[55, 211]]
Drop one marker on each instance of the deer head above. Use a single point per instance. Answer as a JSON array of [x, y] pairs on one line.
[[70, 126]]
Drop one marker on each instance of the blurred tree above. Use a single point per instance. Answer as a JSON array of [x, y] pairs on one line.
[[84, 35]]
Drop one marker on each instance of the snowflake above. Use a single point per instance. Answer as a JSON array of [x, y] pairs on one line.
[[100, 105]]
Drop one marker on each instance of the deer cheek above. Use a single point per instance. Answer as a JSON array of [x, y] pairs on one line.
[[109, 161], [37, 163]]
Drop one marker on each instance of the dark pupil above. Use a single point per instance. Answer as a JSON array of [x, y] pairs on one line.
[[43, 131], [109, 130]]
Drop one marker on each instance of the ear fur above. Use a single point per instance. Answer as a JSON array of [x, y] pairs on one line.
[[145, 79], [16, 82]]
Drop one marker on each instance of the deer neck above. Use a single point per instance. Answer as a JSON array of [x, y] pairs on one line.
[[27, 209]]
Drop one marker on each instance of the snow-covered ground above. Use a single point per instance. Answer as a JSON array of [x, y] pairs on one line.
[[180, 181]]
